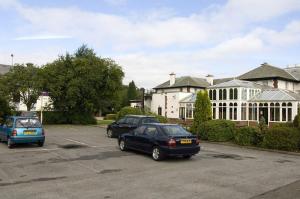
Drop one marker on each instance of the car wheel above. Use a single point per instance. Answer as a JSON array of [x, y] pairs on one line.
[[40, 144], [109, 133], [122, 145], [9, 143], [187, 156], [157, 154]]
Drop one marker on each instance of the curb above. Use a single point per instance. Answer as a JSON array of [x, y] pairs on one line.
[[252, 148]]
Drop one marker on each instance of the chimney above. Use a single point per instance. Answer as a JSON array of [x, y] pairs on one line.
[[172, 78], [210, 79]]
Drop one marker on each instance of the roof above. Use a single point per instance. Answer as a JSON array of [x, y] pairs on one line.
[[4, 68], [184, 82], [294, 71], [218, 81], [266, 71], [237, 83], [276, 95], [139, 115], [189, 99]]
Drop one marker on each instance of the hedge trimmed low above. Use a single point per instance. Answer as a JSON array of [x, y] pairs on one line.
[[247, 136], [282, 138], [217, 130], [59, 117], [129, 111]]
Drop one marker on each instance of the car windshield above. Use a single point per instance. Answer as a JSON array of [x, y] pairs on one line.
[[149, 120], [175, 131], [28, 123]]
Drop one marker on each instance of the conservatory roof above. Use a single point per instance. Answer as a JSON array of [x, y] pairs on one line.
[[237, 83], [189, 99], [276, 95]]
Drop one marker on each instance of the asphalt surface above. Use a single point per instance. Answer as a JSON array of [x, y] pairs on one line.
[[81, 162]]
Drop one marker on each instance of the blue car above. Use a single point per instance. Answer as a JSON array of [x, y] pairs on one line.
[[18, 129], [160, 140]]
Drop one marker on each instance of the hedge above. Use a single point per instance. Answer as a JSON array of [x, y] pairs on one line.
[[282, 138], [58, 117], [110, 117], [129, 111], [248, 136], [217, 130]]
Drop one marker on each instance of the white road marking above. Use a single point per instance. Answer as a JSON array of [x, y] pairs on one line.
[[82, 143]]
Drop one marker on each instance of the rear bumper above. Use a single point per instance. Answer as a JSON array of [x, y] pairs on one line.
[[180, 151], [27, 139]]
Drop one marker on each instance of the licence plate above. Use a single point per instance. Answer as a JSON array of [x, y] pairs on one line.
[[29, 132], [185, 141]]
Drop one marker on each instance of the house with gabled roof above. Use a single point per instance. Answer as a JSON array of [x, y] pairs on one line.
[[266, 91]]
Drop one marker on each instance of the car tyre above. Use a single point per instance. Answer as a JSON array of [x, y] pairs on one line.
[[157, 154], [109, 133], [41, 144], [122, 145], [187, 156], [10, 145]]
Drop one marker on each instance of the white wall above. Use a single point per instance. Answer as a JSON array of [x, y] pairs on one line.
[[37, 106]]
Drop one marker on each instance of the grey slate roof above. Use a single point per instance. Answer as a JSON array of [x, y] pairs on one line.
[[189, 99], [4, 68], [267, 71], [276, 95], [237, 83], [218, 81], [184, 82], [294, 71]]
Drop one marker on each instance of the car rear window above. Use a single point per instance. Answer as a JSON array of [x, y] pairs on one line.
[[149, 120], [175, 131], [28, 123]]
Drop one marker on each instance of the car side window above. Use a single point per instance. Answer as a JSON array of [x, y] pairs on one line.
[[149, 120], [135, 121], [9, 123], [129, 120], [140, 130], [122, 121], [151, 131]]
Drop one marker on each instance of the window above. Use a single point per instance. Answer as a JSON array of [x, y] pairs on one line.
[[159, 111], [214, 111], [122, 121], [233, 111], [244, 94], [289, 111], [182, 112], [188, 89], [189, 111], [224, 94], [283, 112], [220, 94], [274, 112], [235, 93], [140, 130], [252, 111], [222, 111], [210, 95], [9, 123], [244, 111], [230, 111], [151, 131], [231, 93], [28, 123], [214, 95], [149, 120], [175, 130]]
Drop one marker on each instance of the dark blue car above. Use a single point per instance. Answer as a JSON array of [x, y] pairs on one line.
[[18, 129], [160, 140]]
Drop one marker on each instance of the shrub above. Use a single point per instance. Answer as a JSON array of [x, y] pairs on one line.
[[247, 136], [296, 121], [284, 124], [282, 138], [110, 117], [59, 117], [128, 111], [160, 118], [217, 130]]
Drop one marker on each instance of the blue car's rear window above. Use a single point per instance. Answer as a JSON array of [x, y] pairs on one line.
[[175, 131], [28, 123]]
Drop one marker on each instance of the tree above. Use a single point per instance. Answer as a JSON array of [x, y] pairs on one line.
[[23, 84], [132, 92], [202, 110], [82, 82]]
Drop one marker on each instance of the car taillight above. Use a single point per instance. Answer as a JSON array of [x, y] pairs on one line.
[[172, 143], [43, 132], [197, 141], [14, 133]]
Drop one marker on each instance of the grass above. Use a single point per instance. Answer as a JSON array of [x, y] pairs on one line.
[[104, 122]]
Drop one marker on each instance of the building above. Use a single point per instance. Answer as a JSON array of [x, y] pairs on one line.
[[265, 91]]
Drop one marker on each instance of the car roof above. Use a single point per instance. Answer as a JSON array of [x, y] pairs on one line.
[[21, 117], [140, 116], [161, 124]]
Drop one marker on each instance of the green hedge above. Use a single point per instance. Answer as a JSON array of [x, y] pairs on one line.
[[110, 117], [160, 118], [58, 117], [247, 136], [217, 130], [129, 111], [282, 138]]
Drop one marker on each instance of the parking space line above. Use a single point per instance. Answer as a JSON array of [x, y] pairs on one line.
[[78, 142]]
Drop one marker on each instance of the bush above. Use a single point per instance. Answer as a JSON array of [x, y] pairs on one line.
[[110, 117], [247, 136], [58, 117], [129, 111], [296, 121], [160, 118], [284, 124], [217, 130], [282, 138]]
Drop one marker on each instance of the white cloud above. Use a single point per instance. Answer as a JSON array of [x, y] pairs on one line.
[[42, 37]]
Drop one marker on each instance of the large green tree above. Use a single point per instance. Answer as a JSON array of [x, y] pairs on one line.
[[23, 83], [202, 110], [132, 92], [83, 82]]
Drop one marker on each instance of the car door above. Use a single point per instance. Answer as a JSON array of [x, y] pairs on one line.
[[116, 127], [146, 140], [124, 126], [7, 128], [131, 141]]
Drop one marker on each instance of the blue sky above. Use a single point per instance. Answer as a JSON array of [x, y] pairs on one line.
[[152, 38]]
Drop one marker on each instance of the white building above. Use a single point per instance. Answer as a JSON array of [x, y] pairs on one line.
[[265, 91]]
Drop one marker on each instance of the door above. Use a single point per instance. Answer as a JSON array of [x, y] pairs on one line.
[[263, 112], [146, 140], [7, 128]]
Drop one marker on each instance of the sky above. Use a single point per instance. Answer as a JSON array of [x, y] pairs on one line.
[[152, 38]]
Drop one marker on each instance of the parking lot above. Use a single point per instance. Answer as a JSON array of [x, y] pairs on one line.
[[81, 162]]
